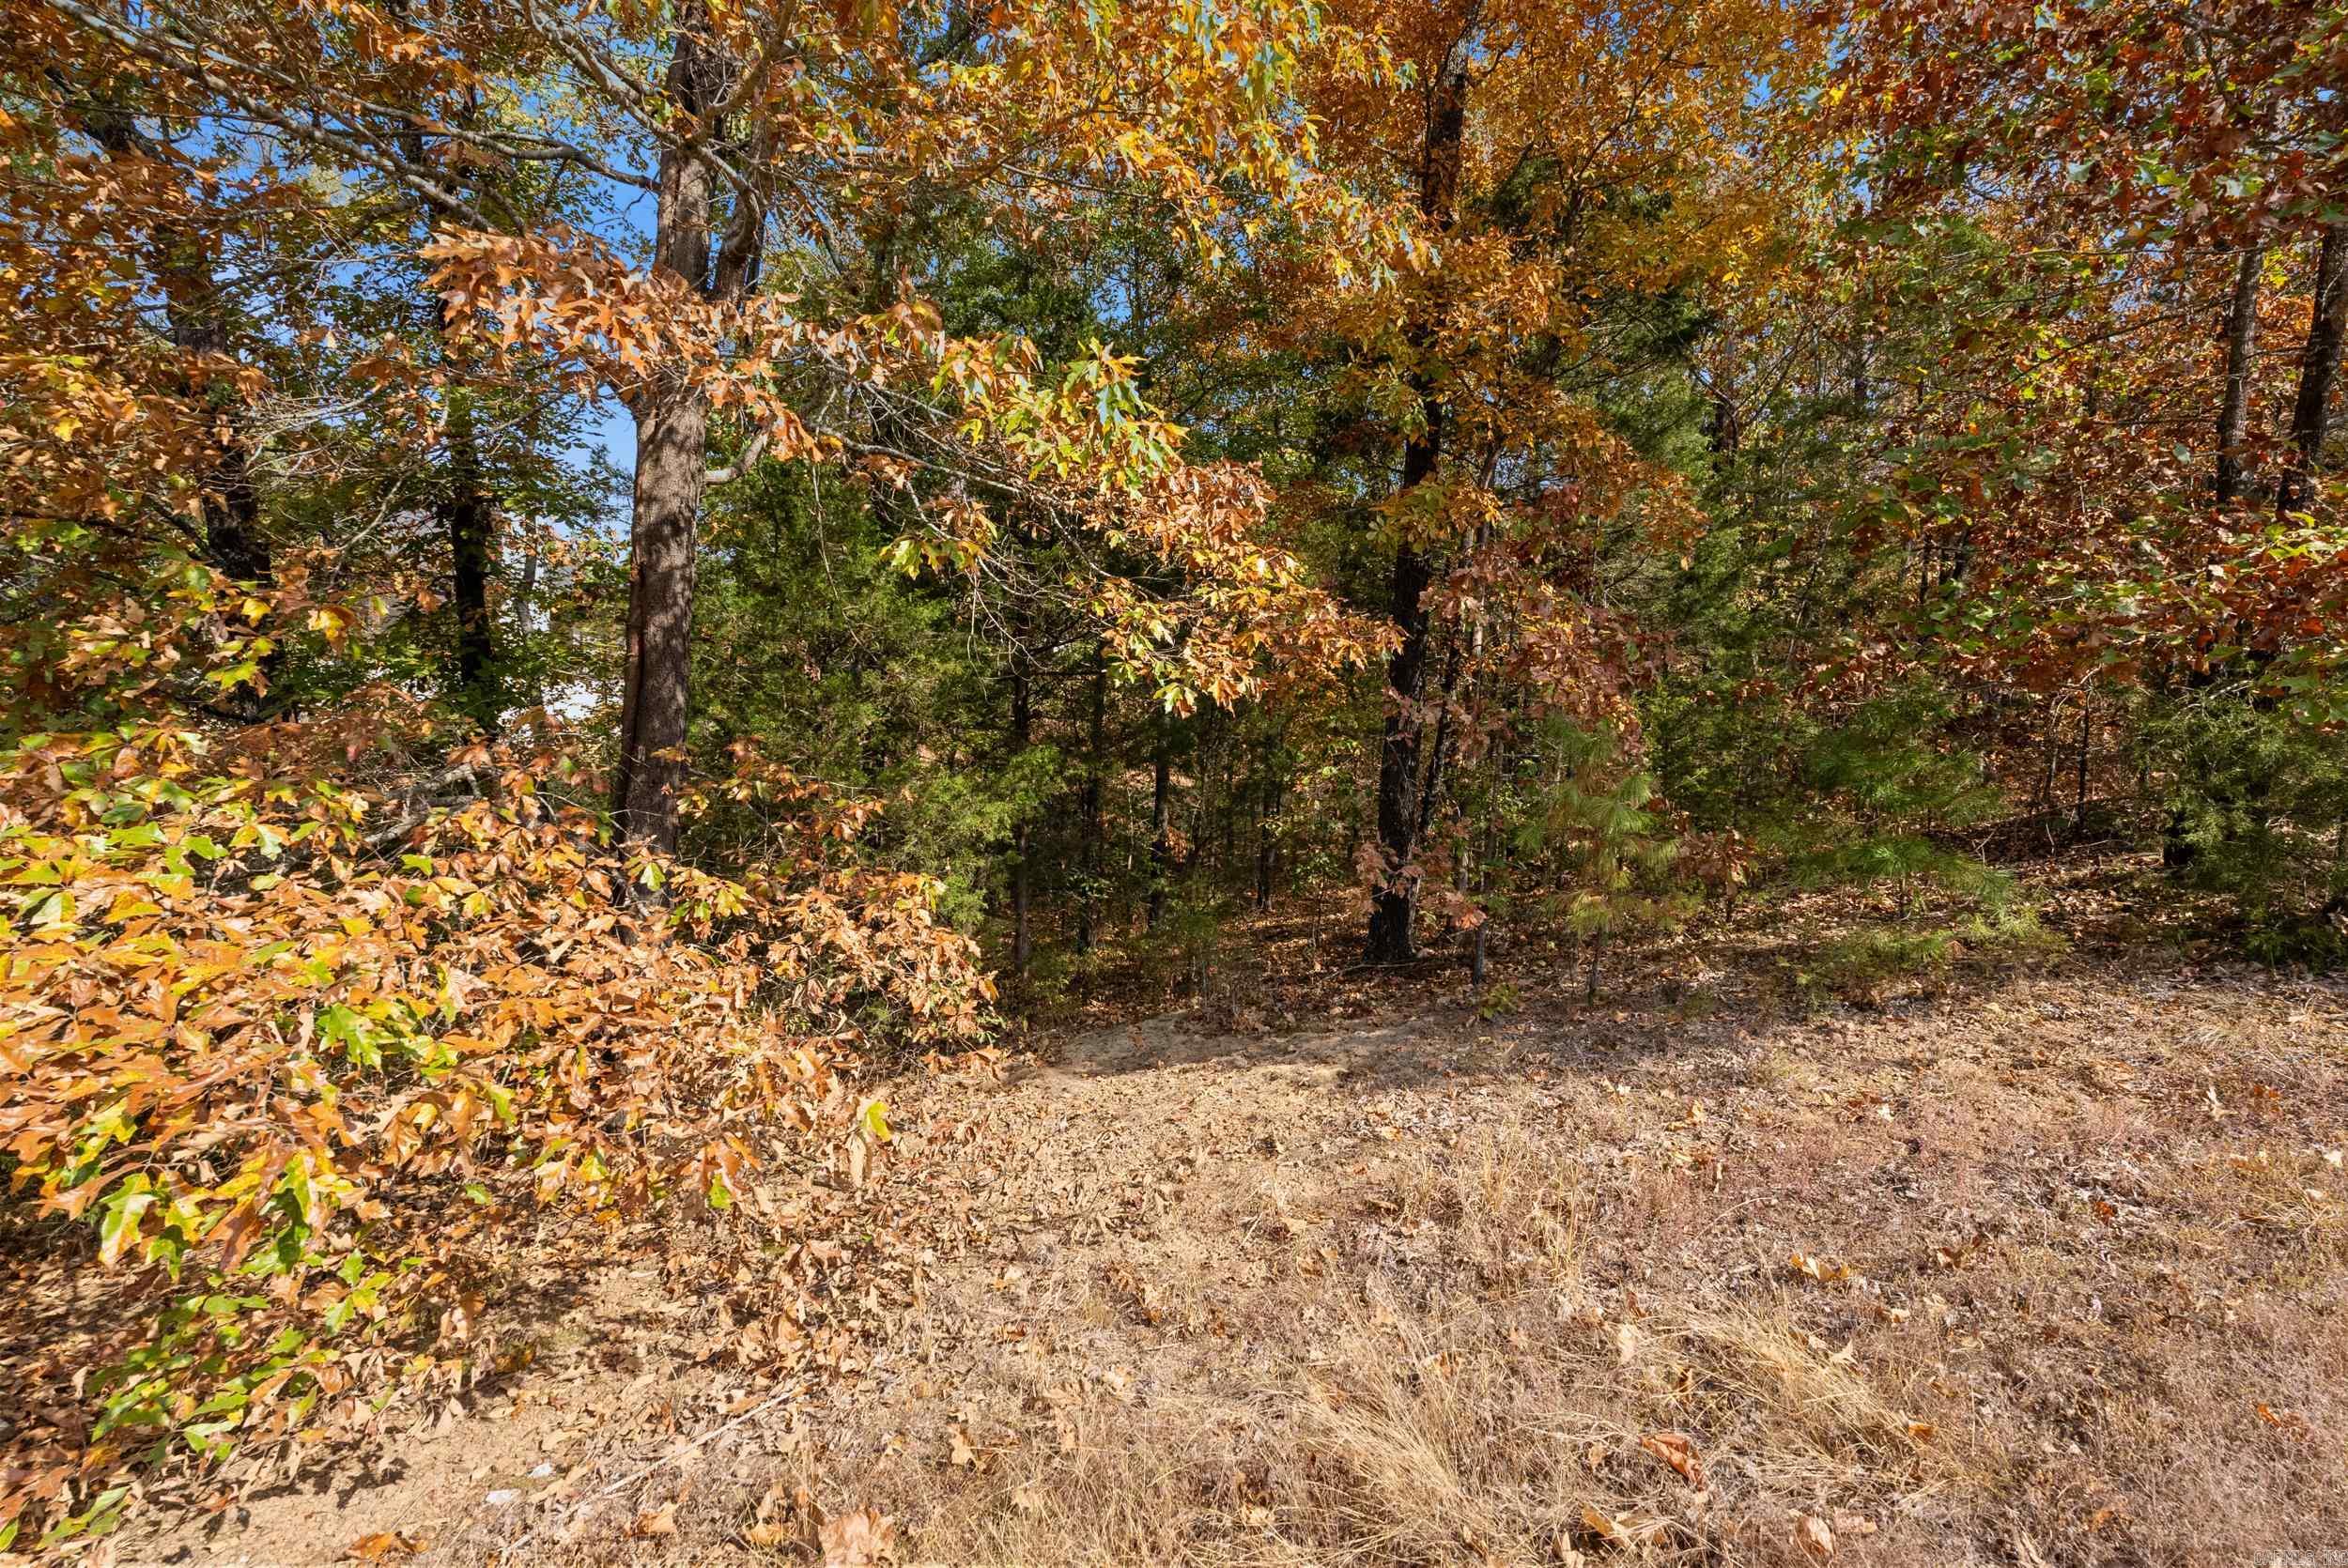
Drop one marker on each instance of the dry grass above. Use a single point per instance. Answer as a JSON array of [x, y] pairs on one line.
[[2050, 1299], [2052, 1272], [1452, 1387]]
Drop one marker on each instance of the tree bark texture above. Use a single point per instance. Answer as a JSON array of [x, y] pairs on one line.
[[2319, 367], [2242, 328], [1395, 903]]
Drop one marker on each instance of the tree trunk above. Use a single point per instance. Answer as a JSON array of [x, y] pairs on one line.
[[1724, 422], [195, 322], [2045, 801], [233, 541], [1205, 743], [1022, 878], [1231, 813], [534, 692], [1430, 789], [1160, 821], [1395, 903], [2241, 329], [2079, 782], [2337, 903], [470, 520], [1478, 960], [1267, 843], [2318, 366], [462, 507], [1096, 771], [671, 444], [672, 451]]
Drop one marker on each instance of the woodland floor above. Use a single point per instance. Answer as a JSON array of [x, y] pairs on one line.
[[2037, 1260]]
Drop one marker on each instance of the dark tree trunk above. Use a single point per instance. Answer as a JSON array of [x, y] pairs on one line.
[[1431, 790], [1096, 772], [471, 519], [462, 506], [2177, 851], [2319, 367], [2242, 331], [1960, 561], [1267, 843], [1724, 422], [2337, 903], [2046, 802], [232, 540], [2079, 782], [1206, 741], [1161, 820], [1478, 958], [1231, 814], [1022, 873], [1395, 903]]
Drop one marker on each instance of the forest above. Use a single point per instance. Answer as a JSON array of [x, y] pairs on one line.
[[1232, 781]]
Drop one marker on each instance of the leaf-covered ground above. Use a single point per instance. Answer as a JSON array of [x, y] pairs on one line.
[[2048, 1263]]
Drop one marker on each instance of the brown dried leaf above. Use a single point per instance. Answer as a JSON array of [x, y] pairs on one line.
[[863, 1539], [771, 1526], [1601, 1524], [1678, 1451]]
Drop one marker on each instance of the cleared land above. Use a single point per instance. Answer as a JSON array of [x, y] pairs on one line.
[[2046, 1265]]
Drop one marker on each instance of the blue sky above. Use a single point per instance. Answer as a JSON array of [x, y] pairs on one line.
[[614, 433]]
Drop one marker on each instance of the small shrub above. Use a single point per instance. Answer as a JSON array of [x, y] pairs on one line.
[[1878, 798], [301, 1057], [1864, 965], [1498, 1000], [2257, 799], [1594, 853]]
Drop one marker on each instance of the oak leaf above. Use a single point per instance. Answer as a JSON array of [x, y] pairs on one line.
[[1677, 1451], [863, 1539]]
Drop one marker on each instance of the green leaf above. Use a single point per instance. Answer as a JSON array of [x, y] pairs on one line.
[[121, 1225]]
